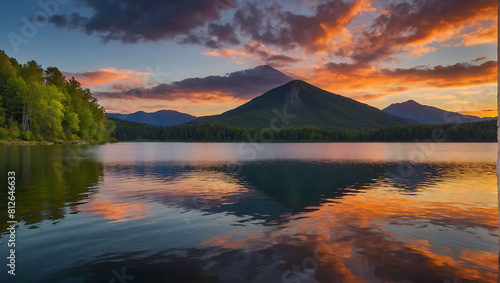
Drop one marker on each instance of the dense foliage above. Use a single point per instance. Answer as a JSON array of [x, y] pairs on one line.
[[468, 132], [38, 104]]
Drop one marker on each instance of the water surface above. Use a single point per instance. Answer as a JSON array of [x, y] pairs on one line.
[[218, 212]]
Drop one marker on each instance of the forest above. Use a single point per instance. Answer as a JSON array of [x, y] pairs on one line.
[[193, 132], [39, 104]]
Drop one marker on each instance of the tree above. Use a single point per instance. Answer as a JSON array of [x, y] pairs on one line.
[[46, 105], [19, 99]]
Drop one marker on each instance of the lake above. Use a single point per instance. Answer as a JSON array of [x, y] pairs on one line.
[[236, 212]]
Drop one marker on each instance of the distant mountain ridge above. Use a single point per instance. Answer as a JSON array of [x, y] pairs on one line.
[[298, 103], [163, 118], [428, 114]]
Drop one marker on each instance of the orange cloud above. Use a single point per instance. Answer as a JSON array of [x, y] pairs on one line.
[[368, 96], [273, 25], [482, 113], [483, 35], [111, 75], [233, 54], [410, 27], [458, 75], [236, 87], [255, 53], [379, 83]]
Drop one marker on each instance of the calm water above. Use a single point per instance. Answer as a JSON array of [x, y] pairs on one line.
[[177, 212]]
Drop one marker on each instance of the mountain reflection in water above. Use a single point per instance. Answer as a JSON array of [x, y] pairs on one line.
[[273, 219]]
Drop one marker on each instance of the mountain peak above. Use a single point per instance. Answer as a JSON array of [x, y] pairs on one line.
[[428, 114], [265, 67], [160, 118], [303, 105], [300, 85], [411, 101]]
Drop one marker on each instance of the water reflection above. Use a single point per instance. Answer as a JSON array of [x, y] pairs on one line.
[[51, 181], [226, 219]]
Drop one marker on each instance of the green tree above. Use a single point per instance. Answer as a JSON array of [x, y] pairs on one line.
[[46, 105]]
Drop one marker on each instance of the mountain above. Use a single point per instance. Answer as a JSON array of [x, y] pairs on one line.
[[298, 103], [429, 115], [161, 118]]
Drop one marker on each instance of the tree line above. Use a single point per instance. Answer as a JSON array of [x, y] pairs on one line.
[[39, 104], [203, 132]]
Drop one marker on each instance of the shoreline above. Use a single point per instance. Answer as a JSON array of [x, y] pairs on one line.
[[43, 142], [78, 142], [278, 142]]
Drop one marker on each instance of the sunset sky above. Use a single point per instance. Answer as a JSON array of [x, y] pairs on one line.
[[201, 56]]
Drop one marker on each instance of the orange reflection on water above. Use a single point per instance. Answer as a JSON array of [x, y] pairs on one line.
[[113, 204], [488, 259], [130, 199], [355, 237], [117, 212], [427, 234], [427, 237]]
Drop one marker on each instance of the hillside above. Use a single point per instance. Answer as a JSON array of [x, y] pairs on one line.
[[298, 103], [163, 118], [428, 114]]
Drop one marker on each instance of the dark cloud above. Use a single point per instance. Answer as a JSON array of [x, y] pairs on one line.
[[399, 26], [59, 21], [345, 68], [242, 85], [215, 36], [282, 58], [256, 48], [73, 21], [275, 60], [200, 22], [132, 21], [272, 25], [460, 74], [415, 23], [479, 59]]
